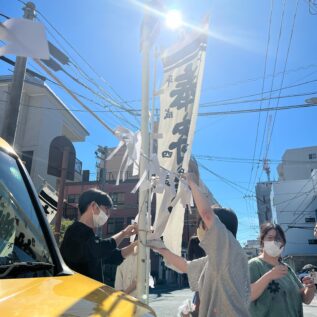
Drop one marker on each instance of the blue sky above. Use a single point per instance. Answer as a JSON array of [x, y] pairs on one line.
[[106, 33]]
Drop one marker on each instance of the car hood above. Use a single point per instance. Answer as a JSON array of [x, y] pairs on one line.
[[70, 296]]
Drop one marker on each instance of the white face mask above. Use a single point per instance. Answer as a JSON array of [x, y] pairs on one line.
[[273, 248], [200, 233], [100, 219]]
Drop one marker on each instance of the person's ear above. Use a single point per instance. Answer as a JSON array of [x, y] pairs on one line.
[[94, 206]]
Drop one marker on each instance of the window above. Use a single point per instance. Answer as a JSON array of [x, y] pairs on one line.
[[117, 198], [310, 219], [72, 198], [312, 156], [27, 157], [21, 236], [78, 166], [115, 225], [312, 241]]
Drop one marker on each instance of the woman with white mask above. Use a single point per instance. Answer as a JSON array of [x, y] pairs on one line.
[[275, 288]]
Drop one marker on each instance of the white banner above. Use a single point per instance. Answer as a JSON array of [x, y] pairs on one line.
[[24, 38], [180, 93]]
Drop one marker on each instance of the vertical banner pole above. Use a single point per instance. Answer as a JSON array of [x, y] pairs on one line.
[[143, 194]]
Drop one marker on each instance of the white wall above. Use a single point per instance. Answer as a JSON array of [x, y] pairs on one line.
[[38, 126], [293, 202], [297, 163]]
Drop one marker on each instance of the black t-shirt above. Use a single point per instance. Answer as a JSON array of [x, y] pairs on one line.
[[85, 253]]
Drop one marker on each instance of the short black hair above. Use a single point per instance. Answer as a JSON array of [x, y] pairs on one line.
[[194, 251], [96, 195], [228, 218]]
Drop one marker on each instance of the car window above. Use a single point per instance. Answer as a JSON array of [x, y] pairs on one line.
[[21, 236]]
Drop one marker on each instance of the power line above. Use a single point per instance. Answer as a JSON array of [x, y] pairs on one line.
[[304, 210], [256, 100], [246, 160], [65, 109], [293, 70], [267, 122], [285, 65], [257, 94], [5, 16], [262, 90], [270, 133], [227, 181], [76, 98], [234, 112], [42, 77], [236, 83], [297, 195], [86, 77], [75, 93], [312, 7], [82, 58], [98, 95], [199, 114]]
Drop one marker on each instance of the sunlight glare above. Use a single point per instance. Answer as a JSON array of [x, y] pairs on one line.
[[173, 19]]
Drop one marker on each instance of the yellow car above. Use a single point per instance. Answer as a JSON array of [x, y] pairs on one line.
[[34, 280]]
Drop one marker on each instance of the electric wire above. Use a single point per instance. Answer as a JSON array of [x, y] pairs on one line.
[[283, 76], [235, 112], [266, 125], [107, 98], [262, 90], [259, 99], [258, 94], [81, 57]]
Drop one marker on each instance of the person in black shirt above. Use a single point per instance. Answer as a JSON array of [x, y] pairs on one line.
[[81, 249]]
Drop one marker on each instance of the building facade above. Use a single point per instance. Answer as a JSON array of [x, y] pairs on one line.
[[295, 209], [294, 204], [252, 248], [42, 117], [297, 163]]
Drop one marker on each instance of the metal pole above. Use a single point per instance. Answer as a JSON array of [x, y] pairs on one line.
[[15, 91], [151, 142], [61, 194], [143, 195]]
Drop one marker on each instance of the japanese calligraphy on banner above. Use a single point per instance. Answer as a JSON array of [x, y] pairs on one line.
[[180, 93]]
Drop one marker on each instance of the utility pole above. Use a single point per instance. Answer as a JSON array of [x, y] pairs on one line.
[[266, 166], [101, 154], [103, 151], [15, 91], [60, 202]]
